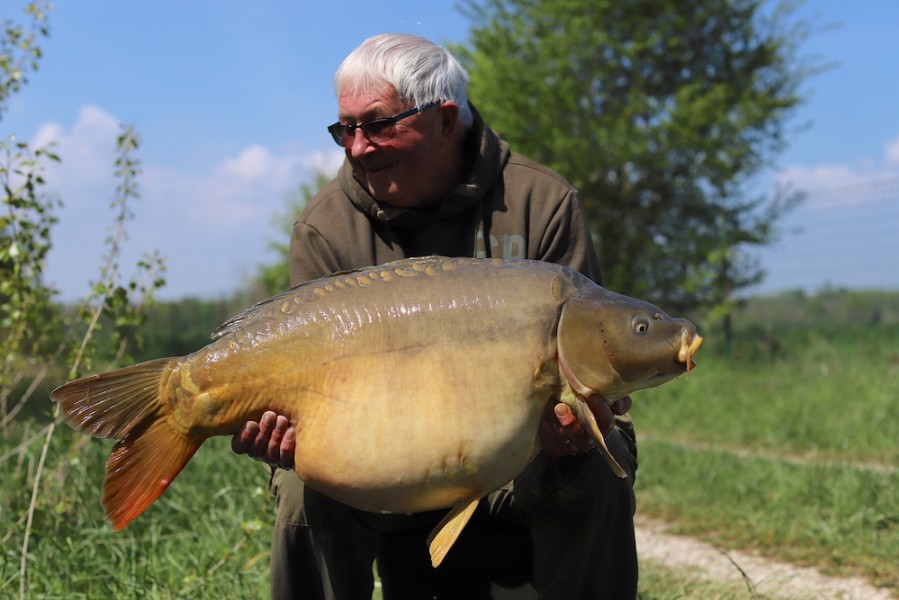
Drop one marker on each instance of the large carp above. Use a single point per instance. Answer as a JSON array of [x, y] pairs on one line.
[[386, 373]]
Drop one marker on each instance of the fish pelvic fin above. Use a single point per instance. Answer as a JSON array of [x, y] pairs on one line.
[[588, 422], [126, 405], [447, 531]]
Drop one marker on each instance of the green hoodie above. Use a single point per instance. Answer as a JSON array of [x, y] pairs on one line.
[[508, 206]]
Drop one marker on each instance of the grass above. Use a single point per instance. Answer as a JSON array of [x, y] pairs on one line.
[[825, 395], [783, 443], [207, 536], [660, 583], [836, 517], [791, 451]]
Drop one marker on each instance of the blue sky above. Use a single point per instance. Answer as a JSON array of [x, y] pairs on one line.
[[231, 100]]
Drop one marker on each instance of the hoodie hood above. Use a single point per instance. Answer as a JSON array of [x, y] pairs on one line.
[[486, 156]]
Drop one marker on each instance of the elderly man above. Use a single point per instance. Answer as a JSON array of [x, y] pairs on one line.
[[424, 175]]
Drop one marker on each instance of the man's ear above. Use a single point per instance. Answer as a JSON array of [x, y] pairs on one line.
[[449, 118]]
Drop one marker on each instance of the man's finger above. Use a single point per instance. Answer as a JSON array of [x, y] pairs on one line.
[[267, 422], [564, 415], [240, 441], [622, 406], [273, 449], [288, 445]]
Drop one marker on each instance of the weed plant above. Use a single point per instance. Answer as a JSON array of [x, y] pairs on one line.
[[208, 536]]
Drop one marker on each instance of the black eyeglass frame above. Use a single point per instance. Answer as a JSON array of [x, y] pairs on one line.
[[344, 135]]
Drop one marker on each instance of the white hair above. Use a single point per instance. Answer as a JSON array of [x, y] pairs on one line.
[[418, 70]]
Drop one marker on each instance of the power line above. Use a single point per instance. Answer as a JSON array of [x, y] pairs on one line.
[[846, 236]]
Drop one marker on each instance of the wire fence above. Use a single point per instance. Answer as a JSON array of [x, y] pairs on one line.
[[840, 237]]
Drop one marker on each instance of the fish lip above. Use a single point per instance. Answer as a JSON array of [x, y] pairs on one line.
[[662, 376], [684, 356], [683, 367]]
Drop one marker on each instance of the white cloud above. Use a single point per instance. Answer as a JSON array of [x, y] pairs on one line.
[[253, 163], [827, 177], [819, 176], [321, 161], [87, 149], [892, 152], [213, 226]]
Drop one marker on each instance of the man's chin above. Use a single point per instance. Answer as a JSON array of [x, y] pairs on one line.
[[388, 196]]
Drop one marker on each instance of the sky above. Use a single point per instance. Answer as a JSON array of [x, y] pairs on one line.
[[231, 100]]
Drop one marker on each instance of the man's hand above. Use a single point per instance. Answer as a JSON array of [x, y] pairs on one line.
[[271, 440], [562, 435]]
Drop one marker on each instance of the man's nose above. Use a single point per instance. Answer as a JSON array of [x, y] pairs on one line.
[[360, 145]]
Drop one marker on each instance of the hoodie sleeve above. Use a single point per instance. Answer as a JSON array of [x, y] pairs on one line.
[[566, 239], [311, 256]]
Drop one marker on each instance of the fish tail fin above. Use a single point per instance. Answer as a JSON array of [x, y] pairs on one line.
[[141, 467], [127, 405]]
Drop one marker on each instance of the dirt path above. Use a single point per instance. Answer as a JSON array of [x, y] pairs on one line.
[[768, 578]]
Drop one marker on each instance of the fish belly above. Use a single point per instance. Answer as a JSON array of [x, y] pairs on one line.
[[424, 428]]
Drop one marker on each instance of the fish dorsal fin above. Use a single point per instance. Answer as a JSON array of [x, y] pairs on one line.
[[447, 531], [241, 319]]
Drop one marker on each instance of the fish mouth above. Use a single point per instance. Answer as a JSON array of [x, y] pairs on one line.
[[690, 343]]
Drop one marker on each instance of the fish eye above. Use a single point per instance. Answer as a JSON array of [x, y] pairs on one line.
[[640, 324]]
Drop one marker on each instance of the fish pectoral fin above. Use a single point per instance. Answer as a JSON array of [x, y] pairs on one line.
[[447, 531], [588, 421]]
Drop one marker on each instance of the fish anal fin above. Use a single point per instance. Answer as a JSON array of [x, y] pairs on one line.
[[447, 531], [588, 421], [141, 467]]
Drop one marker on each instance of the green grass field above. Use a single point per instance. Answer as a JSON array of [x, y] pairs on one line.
[[788, 448], [785, 443]]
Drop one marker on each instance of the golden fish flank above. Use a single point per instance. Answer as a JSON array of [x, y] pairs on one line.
[[438, 340]]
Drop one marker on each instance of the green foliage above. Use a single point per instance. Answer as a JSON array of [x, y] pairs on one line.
[[839, 517], [829, 308], [26, 312], [207, 537], [181, 327], [123, 304], [660, 583], [28, 320], [659, 112], [19, 50], [35, 334]]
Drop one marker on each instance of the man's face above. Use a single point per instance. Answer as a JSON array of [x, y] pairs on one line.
[[403, 171]]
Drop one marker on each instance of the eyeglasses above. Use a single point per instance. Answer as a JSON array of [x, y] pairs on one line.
[[375, 131]]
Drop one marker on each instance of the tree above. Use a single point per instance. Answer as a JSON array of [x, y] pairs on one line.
[[659, 112], [27, 317], [38, 340]]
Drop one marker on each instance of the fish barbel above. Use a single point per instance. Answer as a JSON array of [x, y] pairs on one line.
[[386, 373]]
